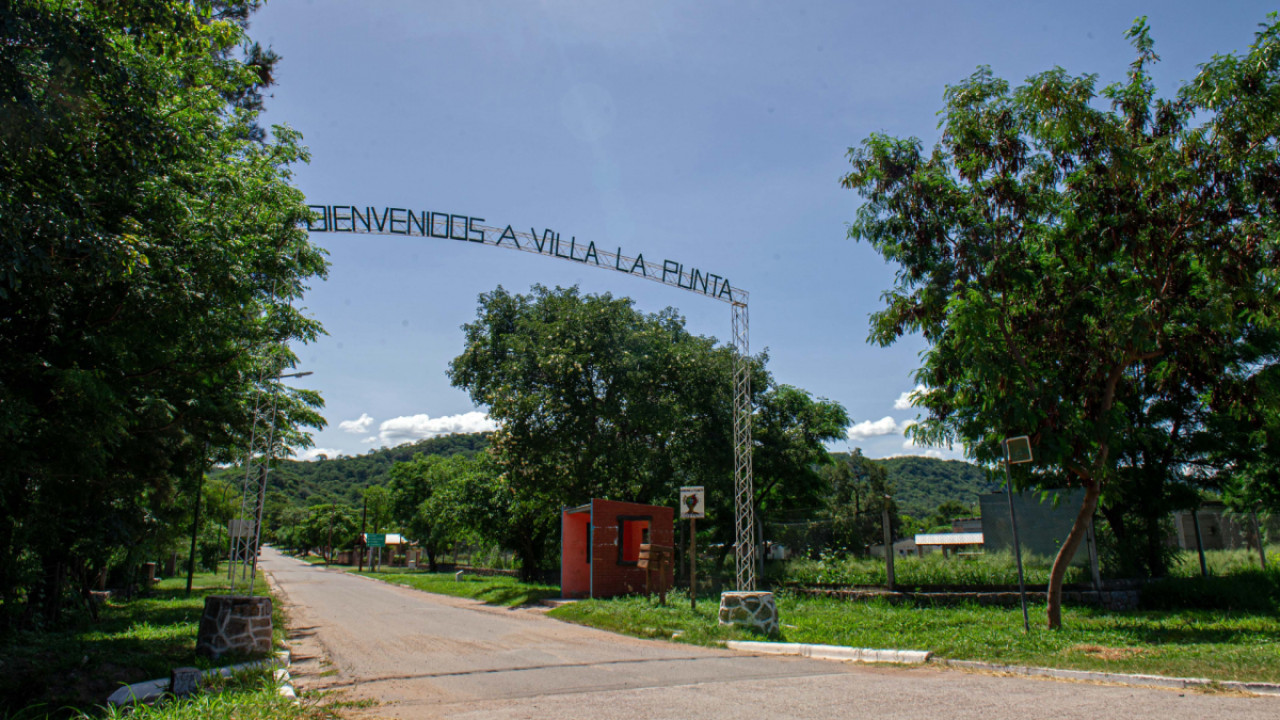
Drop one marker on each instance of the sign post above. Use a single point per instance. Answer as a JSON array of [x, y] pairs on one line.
[[693, 506], [1017, 450], [375, 540]]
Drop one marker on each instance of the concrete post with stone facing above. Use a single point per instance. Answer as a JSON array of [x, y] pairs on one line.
[[234, 623], [755, 610]]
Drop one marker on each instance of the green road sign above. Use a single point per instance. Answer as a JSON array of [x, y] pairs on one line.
[[375, 540]]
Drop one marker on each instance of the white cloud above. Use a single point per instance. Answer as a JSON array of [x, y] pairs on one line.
[[407, 428], [357, 427], [904, 401], [873, 428], [315, 452]]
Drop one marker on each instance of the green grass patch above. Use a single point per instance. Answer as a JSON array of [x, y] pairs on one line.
[[77, 666], [496, 590], [932, 569], [247, 696], [1188, 643]]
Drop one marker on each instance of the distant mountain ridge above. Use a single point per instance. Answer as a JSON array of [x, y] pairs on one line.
[[341, 479], [921, 484]]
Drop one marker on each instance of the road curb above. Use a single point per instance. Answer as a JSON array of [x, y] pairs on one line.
[[1160, 681], [918, 657], [832, 652]]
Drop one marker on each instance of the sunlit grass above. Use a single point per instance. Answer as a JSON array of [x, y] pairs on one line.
[[1216, 645], [495, 590], [248, 696], [931, 569]]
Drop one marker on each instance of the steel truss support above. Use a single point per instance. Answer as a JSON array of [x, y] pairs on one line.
[[743, 484], [246, 530]]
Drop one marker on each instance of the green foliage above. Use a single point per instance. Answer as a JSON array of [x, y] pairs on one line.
[[1250, 591], [151, 252], [993, 569], [343, 479], [857, 493], [79, 664], [441, 500], [921, 484], [497, 590], [1221, 646], [1090, 277], [599, 400]]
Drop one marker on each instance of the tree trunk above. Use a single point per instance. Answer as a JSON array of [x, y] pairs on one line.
[[1092, 489]]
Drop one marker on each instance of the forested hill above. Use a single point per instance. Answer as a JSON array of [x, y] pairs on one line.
[[921, 484], [342, 478]]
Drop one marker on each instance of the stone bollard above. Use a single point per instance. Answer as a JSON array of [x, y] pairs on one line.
[[184, 680], [234, 623], [755, 610]]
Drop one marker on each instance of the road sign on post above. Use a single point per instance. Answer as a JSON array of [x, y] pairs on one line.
[[693, 505], [375, 540], [692, 502]]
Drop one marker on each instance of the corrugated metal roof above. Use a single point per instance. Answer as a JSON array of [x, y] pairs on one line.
[[949, 539]]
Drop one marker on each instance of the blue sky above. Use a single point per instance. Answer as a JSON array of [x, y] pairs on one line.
[[711, 133]]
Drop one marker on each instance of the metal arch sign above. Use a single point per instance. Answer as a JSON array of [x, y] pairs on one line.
[[465, 228]]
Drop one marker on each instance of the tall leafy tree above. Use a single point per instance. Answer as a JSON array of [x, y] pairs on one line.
[[1073, 256], [599, 400], [151, 250]]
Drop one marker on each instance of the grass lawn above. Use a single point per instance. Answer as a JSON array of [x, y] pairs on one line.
[[1212, 644], [254, 696], [133, 640], [497, 590]]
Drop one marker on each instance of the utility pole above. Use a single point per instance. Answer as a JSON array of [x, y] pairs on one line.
[[1024, 455], [364, 509]]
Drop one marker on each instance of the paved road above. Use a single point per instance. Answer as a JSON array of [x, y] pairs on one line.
[[427, 656]]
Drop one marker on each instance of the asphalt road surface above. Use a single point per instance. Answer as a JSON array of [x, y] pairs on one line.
[[417, 655]]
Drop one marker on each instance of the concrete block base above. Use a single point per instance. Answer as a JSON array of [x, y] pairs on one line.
[[755, 610], [234, 623]]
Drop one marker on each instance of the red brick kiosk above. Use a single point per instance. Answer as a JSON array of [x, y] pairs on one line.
[[600, 549]]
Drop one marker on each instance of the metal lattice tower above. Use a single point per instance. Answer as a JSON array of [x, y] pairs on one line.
[[743, 485], [246, 530], [549, 244]]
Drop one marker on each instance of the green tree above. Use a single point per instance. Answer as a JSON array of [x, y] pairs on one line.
[[941, 518], [329, 527], [151, 250], [433, 522], [599, 400], [379, 509], [858, 490], [1057, 255]]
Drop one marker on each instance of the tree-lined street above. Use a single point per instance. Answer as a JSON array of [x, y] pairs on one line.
[[418, 655]]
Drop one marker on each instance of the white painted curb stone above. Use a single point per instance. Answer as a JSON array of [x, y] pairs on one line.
[[832, 652]]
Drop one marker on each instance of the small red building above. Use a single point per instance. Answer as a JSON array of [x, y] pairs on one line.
[[600, 549]]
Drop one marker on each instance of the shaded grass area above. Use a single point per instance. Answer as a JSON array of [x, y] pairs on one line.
[[497, 590], [1219, 645], [77, 666]]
